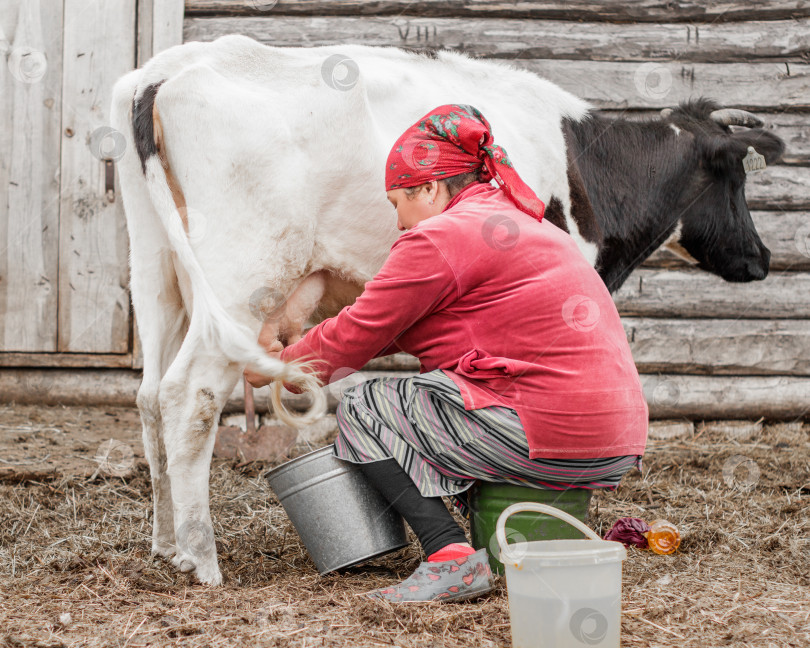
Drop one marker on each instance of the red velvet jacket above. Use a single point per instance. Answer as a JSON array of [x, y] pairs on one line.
[[512, 312]]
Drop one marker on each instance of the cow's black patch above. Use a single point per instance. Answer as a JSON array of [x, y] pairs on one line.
[[554, 214], [142, 125], [581, 209], [627, 180]]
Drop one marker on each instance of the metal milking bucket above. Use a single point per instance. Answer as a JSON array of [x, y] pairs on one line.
[[341, 518]]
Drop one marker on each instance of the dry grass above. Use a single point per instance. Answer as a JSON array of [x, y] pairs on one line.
[[72, 545]]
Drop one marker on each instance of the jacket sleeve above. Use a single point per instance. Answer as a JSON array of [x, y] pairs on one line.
[[390, 349], [415, 281]]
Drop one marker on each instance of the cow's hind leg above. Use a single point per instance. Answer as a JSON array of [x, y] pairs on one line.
[[162, 324], [192, 395], [158, 306]]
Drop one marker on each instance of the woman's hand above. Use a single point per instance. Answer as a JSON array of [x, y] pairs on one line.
[[274, 349]]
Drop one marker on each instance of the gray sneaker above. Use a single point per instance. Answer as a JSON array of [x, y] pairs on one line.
[[451, 580]]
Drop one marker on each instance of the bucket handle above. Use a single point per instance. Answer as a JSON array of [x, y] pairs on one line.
[[500, 531]]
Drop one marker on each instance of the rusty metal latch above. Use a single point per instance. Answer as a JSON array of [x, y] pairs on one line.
[[109, 180]]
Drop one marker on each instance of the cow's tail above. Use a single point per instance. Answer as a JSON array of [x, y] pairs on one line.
[[217, 328]]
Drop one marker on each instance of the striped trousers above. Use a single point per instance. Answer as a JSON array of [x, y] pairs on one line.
[[421, 422]]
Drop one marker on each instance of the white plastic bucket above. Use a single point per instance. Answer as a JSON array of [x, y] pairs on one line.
[[562, 593]]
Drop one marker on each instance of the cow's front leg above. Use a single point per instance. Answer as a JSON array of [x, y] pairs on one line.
[[192, 394]]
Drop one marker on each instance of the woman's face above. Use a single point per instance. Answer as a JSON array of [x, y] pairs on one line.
[[429, 200]]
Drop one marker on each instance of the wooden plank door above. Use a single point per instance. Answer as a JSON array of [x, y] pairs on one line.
[[30, 114], [94, 310]]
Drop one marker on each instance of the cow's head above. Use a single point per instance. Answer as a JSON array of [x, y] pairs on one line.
[[716, 228]]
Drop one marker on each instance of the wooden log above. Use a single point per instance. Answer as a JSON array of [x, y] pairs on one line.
[[720, 346], [69, 386], [526, 39], [778, 186], [734, 430], [794, 128], [395, 362], [612, 10], [694, 293], [665, 430], [727, 397], [93, 275], [30, 114], [65, 360], [669, 396], [620, 85], [785, 233]]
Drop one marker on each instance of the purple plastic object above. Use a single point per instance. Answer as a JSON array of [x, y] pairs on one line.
[[629, 531]]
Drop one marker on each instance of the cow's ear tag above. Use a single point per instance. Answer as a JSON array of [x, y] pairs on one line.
[[753, 161]]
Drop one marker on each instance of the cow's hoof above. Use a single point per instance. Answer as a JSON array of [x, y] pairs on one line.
[[163, 549], [186, 566], [183, 563], [209, 575], [206, 574]]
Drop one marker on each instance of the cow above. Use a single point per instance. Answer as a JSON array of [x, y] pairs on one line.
[[678, 180], [253, 189]]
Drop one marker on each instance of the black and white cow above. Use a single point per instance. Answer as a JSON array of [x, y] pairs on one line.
[[679, 179], [256, 171]]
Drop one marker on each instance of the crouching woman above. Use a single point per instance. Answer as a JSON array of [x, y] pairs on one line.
[[526, 375]]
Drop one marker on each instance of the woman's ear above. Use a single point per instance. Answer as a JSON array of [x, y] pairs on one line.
[[433, 191]]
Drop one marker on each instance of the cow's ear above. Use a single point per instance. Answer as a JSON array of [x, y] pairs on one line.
[[721, 153], [724, 153], [764, 142]]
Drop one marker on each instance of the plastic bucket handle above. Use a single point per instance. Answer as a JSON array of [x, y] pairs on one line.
[[500, 531]]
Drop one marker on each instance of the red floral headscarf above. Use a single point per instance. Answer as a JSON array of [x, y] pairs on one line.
[[450, 140]]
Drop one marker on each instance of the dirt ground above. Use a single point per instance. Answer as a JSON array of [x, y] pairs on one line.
[[75, 567]]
